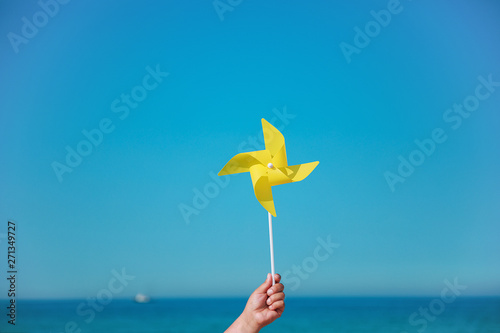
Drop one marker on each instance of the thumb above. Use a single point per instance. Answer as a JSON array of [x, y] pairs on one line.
[[262, 289]]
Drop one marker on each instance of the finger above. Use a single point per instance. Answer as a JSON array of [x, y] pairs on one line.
[[262, 289], [277, 278], [278, 306], [280, 310], [275, 298], [275, 289]]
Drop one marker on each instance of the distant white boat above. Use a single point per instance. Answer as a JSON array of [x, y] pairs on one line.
[[141, 298]]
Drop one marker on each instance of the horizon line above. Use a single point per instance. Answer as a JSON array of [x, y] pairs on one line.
[[131, 298]]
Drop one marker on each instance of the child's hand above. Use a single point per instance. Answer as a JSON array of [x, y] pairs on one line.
[[264, 306]]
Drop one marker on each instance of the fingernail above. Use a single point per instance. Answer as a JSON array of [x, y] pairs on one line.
[[268, 301], [269, 291]]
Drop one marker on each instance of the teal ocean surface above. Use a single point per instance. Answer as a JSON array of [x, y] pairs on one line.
[[301, 315]]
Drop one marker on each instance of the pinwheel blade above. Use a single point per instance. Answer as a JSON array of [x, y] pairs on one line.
[[242, 162], [298, 172], [275, 144], [262, 188]]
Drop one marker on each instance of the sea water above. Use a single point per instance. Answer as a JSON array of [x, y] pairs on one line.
[[317, 315]]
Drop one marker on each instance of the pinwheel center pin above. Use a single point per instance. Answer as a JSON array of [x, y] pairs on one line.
[[254, 162]]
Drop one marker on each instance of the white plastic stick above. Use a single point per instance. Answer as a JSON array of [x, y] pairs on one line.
[[271, 243]]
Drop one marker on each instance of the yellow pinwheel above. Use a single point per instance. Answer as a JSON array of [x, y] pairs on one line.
[[268, 167]]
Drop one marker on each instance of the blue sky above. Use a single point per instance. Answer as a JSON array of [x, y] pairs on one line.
[[120, 206]]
